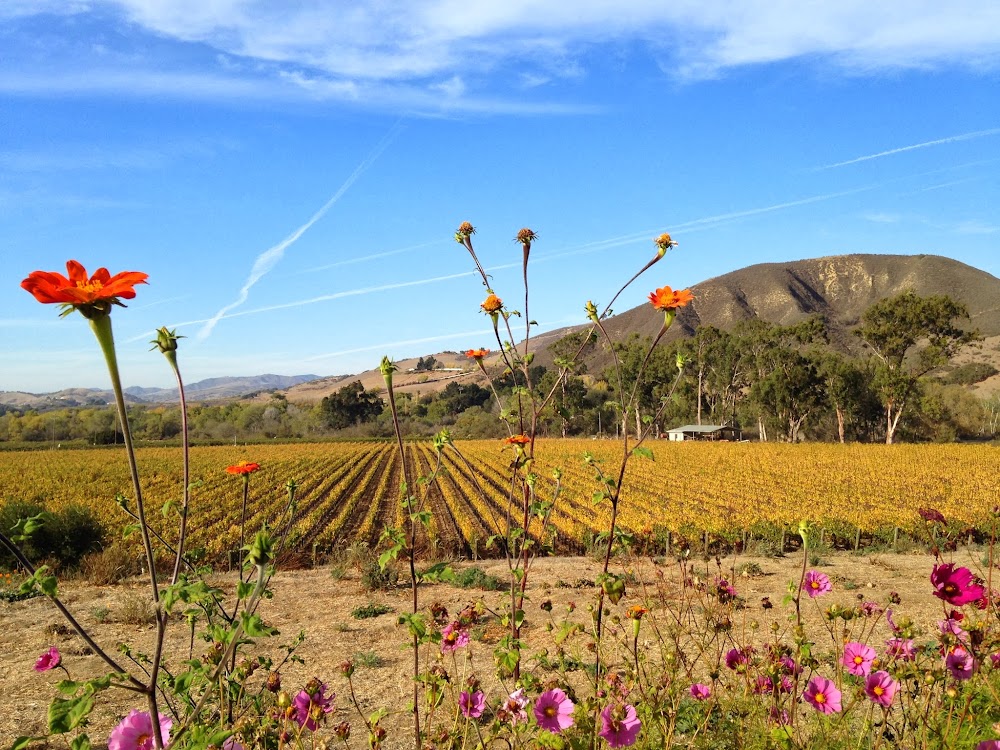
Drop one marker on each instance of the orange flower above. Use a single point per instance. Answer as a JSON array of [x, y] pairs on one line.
[[477, 353], [492, 304], [243, 467], [667, 299], [526, 237], [636, 611], [81, 291], [517, 440]]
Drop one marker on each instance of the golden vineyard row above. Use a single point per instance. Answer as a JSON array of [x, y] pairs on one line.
[[350, 491]]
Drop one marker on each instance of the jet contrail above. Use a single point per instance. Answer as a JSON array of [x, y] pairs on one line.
[[890, 152], [270, 257]]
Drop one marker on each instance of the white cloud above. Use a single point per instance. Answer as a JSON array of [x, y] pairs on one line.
[[402, 39], [452, 55]]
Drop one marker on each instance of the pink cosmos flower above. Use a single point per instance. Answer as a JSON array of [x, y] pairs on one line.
[[232, 743], [554, 710], [764, 685], [619, 725], [988, 745], [513, 708], [955, 585], [310, 708], [453, 637], [960, 663], [858, 658], [816, 584], [995, 659], [779, 716], [135, 732], [900, 648], [738, 658], [892, 623], [822, 695], [881, 688], [471, 705], [48, 660], [701, 692]]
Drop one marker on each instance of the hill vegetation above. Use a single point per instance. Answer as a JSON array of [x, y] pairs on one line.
[[771, 348]]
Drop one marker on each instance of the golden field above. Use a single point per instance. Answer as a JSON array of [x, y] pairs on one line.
[[350, 491]]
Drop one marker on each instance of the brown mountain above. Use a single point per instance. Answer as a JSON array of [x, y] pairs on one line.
[[839, 287]]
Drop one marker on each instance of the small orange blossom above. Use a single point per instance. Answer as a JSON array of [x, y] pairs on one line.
[[477, 353], [517, 440], [243, 467], [492, 304], [667, 299]]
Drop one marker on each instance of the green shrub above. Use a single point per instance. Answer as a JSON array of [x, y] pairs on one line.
[[63, 539], [477, 578], [370, 610]]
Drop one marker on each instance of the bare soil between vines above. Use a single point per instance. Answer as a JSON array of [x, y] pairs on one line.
[[321, 604]]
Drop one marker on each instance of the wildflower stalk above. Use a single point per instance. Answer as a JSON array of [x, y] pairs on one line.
[[101, 326], [388, 368]]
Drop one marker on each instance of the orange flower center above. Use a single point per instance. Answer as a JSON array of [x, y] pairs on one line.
[[820, 697], [814, 584], [858, 660], [878, 690], [549, 711]]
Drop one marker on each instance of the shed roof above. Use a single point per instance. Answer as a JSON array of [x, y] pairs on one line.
[[700, 428]]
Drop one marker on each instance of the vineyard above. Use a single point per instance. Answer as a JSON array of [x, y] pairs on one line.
[[349, 492]]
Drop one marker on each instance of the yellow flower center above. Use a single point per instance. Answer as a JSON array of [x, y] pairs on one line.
[[549, 711], [90, 286], [858, 660], [820, 698], [878, 690]]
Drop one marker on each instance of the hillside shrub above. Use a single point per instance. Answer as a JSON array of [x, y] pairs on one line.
[[62, 540]]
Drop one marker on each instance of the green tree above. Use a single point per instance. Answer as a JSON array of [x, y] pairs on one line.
[[909, 336], [350, 405]]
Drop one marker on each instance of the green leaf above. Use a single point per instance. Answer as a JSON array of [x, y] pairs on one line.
[[243, 590], [48, 586], [80, 742], [65, 715], [167, 507], [641, 450], [22, 742], [68, 687], [254, 626]]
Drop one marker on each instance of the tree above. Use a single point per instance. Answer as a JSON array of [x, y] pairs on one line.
[[909, 336], [351, 405]]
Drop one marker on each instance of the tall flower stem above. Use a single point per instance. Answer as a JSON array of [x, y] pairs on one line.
[[101, 326]]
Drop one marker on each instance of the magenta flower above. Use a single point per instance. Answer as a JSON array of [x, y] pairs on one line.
[[881, 688], [858, 658], [955, 585], [453, 637], [49, 660], [471, 705], [701, 691], [738, 658], [554, 710], [619, 725], [822, 695], [513, 708], [900, 648], [310, 708], [779, 716], [135, 732], [988, 745], [960, 663], [816, 584], [764, 685], [232, 743]]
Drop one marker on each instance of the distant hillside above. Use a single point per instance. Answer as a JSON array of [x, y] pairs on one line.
[[203, 390], [840, 288]]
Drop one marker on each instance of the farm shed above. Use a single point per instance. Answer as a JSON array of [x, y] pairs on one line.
[[704, 432]]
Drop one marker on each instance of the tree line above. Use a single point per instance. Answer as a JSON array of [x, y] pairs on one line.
[[775, 382]]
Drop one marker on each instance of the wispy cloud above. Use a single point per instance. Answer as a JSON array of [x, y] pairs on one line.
[[446, 55], [368, 258], [913, 147], [882, 218], [268, 259]]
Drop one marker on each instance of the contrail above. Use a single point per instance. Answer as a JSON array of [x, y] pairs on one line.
[[270, 257], [591, 247], [375, 256], [890, 152]]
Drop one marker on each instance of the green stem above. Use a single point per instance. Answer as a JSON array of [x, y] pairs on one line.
[[101, 326]]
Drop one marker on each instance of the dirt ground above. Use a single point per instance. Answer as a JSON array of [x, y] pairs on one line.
[[321, 604]]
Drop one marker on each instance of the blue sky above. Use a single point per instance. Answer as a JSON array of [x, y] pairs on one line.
[[290, 175]]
